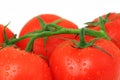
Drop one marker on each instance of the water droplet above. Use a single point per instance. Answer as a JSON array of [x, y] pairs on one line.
[[56, 67], [14, 70], [85, 69], [7, 67], [71, 67], [88, 78], [67, 59], [84, 64], [1, 64], [6, 74], [98, 73]]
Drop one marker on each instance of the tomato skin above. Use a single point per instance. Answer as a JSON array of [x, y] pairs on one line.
[[68, 63], [20, 65], [52, 41], [9, 33]]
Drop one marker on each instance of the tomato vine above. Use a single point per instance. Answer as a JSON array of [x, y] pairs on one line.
[[53, 29]]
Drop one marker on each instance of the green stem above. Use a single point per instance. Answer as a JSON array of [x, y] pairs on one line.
[[94, 33], [53, 29], [82, 39], [60, 31], [102, 27], [30, 44]]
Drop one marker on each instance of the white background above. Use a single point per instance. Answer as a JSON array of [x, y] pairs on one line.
[[77, 11]]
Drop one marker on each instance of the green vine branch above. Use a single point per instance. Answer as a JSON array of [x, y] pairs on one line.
[[54, 29], [61, 31]]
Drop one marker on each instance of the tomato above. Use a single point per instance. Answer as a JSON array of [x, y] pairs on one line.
[[112, 27], [39, 47], [91, 63], [9, 33], [16, 64]]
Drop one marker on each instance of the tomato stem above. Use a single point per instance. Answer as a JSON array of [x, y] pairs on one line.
[[102, 30], [82, 43], [53, 29], [30, 45], [40, 33], [5, 36]]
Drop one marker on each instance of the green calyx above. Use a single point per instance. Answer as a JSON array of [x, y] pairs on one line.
[[6, 40], [102, 28], [49, 26], [82, 43]]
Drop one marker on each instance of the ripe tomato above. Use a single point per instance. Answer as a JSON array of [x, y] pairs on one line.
[[112, 27], [52, 41], [9, 33], [16, 64], [91, 63]]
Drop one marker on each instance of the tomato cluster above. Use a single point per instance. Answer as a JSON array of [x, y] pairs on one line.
[[50, 47]]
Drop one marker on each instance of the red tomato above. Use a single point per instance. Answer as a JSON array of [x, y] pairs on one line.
[[52, 41], [16, 64], [112, 27], [91, 63], [8, 32]]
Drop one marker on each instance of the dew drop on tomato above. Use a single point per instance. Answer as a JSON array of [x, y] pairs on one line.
[[7, 68], [6, 74], [84, 64]]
